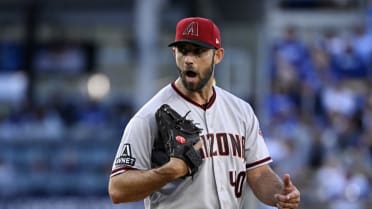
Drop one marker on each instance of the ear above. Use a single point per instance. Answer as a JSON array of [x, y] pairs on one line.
[[174, 51], [218, 55]]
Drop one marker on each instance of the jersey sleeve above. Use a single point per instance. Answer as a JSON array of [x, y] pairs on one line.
[[134, 151], [256, 152]]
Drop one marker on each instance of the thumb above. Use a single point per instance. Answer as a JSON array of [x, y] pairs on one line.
[[287, 181]]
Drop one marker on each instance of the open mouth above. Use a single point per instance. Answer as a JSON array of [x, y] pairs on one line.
[[190, 73]]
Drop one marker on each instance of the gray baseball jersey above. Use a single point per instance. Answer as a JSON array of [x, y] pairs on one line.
[[232, 144]]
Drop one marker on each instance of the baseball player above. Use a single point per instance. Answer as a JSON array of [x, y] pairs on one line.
[[231, 146]]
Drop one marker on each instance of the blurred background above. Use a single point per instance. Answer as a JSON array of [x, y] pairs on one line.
[[73, 72]]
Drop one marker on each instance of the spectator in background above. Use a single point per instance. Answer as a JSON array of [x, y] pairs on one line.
[[349, 64], [44, 123], [331, 42], [287, 136], [337, 183], [35, 122], [289, 48], [66, 107], [350, 57], [361, 41], [287, 79], [316, 75], [93, 114], [329, 180], [340, 106], [280, 102], [337, 98]]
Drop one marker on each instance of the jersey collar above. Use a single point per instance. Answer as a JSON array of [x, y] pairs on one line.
[[204, 106]]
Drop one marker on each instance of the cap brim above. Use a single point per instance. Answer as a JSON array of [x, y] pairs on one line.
[[190, 41]]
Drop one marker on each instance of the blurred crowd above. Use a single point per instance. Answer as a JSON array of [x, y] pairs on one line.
[[59, 117], [320, 112], [59, 146]]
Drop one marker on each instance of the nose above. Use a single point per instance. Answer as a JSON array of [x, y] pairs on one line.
[[189, 58]]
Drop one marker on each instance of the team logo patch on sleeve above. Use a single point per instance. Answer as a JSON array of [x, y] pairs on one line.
[[126, 157]]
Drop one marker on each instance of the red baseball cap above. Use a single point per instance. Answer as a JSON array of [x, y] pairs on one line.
[[199, 31]]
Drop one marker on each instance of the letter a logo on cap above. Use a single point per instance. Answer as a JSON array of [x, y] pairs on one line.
[[191, 29]]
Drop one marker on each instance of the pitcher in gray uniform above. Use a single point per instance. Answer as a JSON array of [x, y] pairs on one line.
[[232, 147]]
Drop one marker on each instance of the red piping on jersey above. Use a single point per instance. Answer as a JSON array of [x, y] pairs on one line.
[[122, 168], [204, 106], [258, 162]]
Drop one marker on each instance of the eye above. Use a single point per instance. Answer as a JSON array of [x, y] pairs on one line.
[[194, 50], [198, 51], [183, 50]]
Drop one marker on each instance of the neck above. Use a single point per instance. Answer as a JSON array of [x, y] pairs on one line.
[[201, 97]]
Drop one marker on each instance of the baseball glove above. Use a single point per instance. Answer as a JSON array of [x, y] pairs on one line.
[[177, 137]]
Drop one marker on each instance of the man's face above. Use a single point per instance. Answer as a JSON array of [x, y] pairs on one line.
[[195, 65]]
